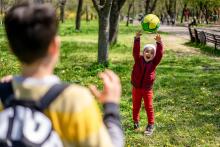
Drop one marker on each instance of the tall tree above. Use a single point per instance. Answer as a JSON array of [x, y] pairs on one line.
[[79, 14], [1, 9], [62, 7], [128, 13], [114, 20], [103, 9], [150, 6], [171, 10], [87, 12]]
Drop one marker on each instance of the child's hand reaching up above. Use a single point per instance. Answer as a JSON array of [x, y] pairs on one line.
[[158, 38], [138, 34]]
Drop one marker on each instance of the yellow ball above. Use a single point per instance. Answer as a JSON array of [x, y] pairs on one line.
[[150, 23]]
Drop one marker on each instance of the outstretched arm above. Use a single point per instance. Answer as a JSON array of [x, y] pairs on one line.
[[110, 98], [159, 50], [136, 47]]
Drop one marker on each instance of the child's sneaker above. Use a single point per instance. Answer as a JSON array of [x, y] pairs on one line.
[[136, 125], [149, 130]]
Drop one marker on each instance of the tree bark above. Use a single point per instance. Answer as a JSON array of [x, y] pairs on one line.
[[153, 6], [128, 14], [171, 10], [103, 39], [150, 6], [113, 29], [1, 3], [206, 15], [147, 5], [78, 15], [103, 9], [87, 13], [133, 11], [114, 20], [62, 7]]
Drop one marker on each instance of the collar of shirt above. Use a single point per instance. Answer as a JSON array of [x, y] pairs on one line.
[[47, 80]]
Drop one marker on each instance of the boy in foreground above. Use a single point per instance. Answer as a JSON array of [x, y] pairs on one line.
[[32, 34]]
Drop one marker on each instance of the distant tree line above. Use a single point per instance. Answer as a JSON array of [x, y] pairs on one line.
[[110, 12]]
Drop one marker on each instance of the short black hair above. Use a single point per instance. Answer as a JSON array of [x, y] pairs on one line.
[[30, 28]]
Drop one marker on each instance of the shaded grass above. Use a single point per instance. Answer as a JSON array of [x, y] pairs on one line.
[[186, 90], [206, 49]]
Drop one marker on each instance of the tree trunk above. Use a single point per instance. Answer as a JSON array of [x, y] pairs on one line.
[[103, 8], [113, 29], [181, 21], [114, 20], [79, 14], [1, 12], [147, 5], [103, 43], [87, 13], [62, 7], [92, 16], [128, 14], [133, 15], [174, 13], [153, 6], [206, 15], [1, 3]]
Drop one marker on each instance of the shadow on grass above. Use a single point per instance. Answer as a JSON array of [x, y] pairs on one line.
[[206, 49]]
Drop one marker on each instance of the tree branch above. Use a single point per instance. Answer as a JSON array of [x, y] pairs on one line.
[[97, 6], [121, 3], [107, 6], [153, 6], [147, 5]]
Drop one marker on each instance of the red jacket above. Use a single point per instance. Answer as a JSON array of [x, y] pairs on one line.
[[143, 74]]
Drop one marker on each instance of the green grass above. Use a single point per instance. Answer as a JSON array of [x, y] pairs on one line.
[[205, 49], [186, 90]]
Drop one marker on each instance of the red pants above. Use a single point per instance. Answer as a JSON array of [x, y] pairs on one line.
[[137, 95]]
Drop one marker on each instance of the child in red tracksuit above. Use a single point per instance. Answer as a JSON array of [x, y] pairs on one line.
[[142, 79]]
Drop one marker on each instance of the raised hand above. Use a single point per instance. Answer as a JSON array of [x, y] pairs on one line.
[[138, 34], [158, 38], [111, 92]]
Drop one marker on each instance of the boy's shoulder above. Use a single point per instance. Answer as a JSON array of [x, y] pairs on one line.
[[77, 94], [72, 98]]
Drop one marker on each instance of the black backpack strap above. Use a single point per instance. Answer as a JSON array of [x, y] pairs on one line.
[[51, 95], [6, 91]]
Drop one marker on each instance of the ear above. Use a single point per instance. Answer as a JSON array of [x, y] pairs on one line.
[[54, 46]]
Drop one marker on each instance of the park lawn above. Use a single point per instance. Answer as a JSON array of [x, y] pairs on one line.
[[186, 90]]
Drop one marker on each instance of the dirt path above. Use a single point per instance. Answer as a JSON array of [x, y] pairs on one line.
[[176, 31], [176, 40]]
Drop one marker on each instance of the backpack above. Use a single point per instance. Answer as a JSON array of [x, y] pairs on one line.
[[22, 122]]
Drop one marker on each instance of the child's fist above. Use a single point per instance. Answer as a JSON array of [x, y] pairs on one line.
[[158, 38], [138, 34]]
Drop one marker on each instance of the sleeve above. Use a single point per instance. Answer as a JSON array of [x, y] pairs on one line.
[[136, 49], [159, 54], [113, 124], [5, 91]]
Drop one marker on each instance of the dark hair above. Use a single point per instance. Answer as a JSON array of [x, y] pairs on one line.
[[30, 28]]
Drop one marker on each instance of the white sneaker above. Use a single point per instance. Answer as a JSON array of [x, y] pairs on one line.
[[149, 130]]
